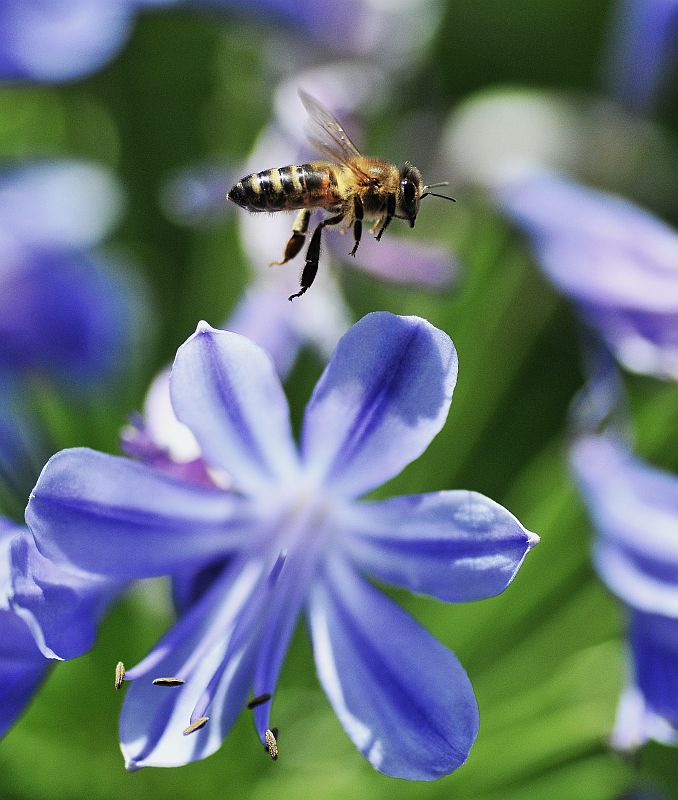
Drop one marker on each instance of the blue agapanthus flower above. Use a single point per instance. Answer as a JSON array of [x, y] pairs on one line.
[[58, 40], [291, 535], [634, 507], [617, 262]]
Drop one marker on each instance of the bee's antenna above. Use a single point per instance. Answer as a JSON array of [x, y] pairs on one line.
[[434, 194], [426, 191]]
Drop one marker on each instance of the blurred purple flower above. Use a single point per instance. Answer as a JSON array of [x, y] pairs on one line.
[[617, 262], [642, 50], [294, 536], [59, 40], [63, 311], [158, 439], [635, 510], [396, 33]]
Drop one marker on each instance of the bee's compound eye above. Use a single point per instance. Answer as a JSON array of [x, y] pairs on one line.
[[409, 190]]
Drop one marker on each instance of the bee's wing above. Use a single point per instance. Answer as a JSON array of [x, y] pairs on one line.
[[327, 136]]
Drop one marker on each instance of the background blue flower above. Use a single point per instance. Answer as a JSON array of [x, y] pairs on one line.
[[70, 316], [616, 261], [41, 40], [635, 510], [642, 52], [64, 311]]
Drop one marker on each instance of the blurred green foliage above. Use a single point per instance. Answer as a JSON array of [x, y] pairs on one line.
[[546, 657]]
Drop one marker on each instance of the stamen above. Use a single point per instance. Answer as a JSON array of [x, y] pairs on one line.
[[195, 726], [168, 682], [259, 700], [277, 567], [272, 744], [119, 675], [244, 636]]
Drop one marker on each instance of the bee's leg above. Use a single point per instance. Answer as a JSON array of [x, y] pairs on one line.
[[298, 237], [358, 224], [390, 211], [313, 255]]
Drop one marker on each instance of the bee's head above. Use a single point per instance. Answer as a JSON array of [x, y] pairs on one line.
[[410, 193]]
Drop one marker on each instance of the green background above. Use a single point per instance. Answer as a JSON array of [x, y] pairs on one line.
[[546, 657]]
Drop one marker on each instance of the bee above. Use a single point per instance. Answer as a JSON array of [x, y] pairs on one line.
[[351, 187]]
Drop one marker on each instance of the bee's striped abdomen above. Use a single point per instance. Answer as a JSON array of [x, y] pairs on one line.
[[287, 188]]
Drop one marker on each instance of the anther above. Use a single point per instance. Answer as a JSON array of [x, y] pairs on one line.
[[259, 700], [195, 726], [119, 675], [168, 682], [272, 744]]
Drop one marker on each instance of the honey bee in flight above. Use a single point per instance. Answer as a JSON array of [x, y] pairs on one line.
[[349, 186]]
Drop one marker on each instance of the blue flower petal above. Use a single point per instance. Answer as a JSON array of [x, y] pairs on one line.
[[642, 51], [288, 585], [402, 697], [383, 396], [225, 389], [401, 260], [263, 315], [654, 646], [635, 509], [648, 707], [189, 585], [456, 546], [115, 517], [646, 583], [62, 608], [22, 668]]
